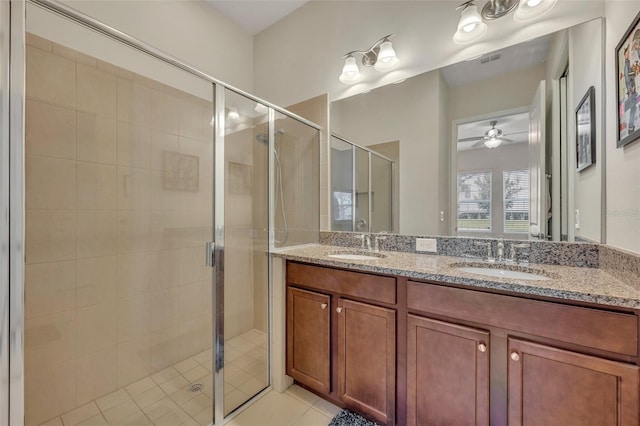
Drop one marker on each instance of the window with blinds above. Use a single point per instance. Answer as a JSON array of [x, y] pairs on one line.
[[516, 200], [474, 201]]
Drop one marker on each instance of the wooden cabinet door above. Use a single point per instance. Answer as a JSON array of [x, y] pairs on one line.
[[550, 386], [308, 341], [367, 359], [447, 374]]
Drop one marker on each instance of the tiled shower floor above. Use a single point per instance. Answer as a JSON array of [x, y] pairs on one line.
[[164, 397]]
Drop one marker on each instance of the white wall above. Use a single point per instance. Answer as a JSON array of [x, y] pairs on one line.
[[505, 92], [301, 55], [192, 31], [585, 70], [408, 112], [622, 164]]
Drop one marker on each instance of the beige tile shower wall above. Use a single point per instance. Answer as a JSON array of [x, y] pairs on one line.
[[115, 283]]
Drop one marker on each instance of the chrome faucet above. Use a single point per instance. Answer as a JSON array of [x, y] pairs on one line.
[[500, 252], [489, 253], [365, 241]]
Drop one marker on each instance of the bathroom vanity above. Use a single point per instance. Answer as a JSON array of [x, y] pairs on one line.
[[410, 339]]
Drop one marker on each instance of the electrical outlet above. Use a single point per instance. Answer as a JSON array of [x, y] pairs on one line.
[[427, 244]]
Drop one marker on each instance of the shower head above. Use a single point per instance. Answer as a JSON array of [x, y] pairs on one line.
[[263, 138]]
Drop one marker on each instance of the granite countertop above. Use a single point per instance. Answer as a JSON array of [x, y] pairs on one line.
[[570, 283]]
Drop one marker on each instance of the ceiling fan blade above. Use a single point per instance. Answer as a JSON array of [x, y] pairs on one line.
[[479, 143], [475, 138], [516, 133]]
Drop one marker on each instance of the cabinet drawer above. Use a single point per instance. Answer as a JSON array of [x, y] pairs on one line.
[[355, 284], [593, 328]]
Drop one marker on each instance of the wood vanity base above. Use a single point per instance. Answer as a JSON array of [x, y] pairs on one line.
[[411, 352]]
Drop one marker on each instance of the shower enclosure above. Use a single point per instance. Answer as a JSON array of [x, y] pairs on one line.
[[152, 198], [362, 188]]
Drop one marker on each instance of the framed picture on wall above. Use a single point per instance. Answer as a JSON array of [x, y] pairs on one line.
[[586, 130], [628, 78]]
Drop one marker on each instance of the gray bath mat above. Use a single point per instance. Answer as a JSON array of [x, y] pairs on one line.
[[349, 418]]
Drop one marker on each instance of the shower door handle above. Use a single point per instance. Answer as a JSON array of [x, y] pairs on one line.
[[210, 248]]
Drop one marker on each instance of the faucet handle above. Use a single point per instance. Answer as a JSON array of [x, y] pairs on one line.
[[380, 236], [489, 251], [513, 255]]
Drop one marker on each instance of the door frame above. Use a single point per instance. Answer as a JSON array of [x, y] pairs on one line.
[[453, 162]]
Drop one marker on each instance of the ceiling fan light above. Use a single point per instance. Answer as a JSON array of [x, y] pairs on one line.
[[492, 142], [350, 71], [532, 9]]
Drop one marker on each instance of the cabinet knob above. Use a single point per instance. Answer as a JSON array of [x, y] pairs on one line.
[[515, 356], [323, 306], [482, 347], [339, 309]]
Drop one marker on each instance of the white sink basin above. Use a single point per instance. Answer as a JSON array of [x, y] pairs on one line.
[[503, 273], [356, 256]]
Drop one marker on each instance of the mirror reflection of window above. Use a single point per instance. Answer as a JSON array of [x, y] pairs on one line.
[[516, 201], [343, 206], [474, 202]]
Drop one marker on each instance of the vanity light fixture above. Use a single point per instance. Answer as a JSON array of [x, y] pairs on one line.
[[472, 24], [260, 108], [381, 56], [233, 113], [532, 9], [470, 27]]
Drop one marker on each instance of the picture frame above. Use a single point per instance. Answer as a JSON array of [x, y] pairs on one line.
[[627, 80], [586, 131]]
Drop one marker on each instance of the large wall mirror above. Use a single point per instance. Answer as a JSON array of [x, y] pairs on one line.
[[482, 148]]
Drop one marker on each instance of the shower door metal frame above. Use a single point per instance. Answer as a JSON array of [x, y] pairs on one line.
[[12, 144], [5, 45], [16, 209], [354, 171]]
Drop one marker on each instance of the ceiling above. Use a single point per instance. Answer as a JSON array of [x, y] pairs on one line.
[[256, 15], [514, 127], [502, 61]]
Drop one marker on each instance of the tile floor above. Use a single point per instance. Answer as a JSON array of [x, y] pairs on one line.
[[164, 398], [294, 407]]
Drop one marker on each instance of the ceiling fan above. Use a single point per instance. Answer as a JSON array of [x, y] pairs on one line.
[[492, 138]]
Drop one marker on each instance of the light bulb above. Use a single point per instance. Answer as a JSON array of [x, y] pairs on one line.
[[470, 27], [532, 9], [350, 71]]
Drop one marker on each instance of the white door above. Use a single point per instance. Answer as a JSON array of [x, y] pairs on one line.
[[538, 188]]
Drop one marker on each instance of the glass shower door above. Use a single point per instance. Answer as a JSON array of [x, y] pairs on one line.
[[242, 246], [119, 162]]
